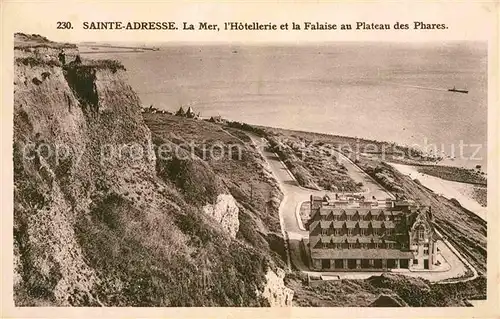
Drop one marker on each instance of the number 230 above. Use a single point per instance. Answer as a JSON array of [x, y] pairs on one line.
[[64, 25]]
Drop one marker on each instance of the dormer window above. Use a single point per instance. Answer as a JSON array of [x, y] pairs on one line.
[[344, 216], [421, 233], [355, 216]]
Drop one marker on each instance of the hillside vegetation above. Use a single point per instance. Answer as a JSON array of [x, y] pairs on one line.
[[387, 290], [98, 223]]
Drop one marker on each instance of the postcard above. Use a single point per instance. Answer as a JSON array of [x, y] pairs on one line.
[[195, 159]]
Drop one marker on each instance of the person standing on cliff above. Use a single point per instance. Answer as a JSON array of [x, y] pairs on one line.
[[62, 57], [78, 60]]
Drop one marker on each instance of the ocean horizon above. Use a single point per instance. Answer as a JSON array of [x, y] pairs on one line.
[[395, 92]]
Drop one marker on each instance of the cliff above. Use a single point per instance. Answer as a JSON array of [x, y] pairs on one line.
[[102, 217]]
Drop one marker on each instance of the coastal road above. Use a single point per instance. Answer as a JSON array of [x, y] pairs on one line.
[[371, 186]]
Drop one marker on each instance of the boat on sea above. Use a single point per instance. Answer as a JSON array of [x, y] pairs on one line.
[[458, 90]]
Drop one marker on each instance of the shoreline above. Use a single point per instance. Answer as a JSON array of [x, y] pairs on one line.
[[457, 186], [422, 162], [461, 192]]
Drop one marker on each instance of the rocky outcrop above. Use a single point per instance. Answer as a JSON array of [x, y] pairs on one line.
[[225, 212], [275, 291]]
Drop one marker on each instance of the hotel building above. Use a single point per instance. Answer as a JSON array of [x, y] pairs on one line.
[[353, 234]]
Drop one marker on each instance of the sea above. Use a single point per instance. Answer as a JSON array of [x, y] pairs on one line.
[[394, 92]]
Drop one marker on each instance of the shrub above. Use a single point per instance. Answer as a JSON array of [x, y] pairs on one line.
[[31, 61], [112, 65]]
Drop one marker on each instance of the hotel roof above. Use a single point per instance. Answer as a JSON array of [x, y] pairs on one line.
[[348, 239], [360, 254], [327, 210], [325, 224]]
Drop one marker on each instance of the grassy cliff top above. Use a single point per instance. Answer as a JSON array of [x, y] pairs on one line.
[[23, 41]]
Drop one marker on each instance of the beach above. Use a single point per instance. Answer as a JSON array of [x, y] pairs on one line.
[[462, 192]]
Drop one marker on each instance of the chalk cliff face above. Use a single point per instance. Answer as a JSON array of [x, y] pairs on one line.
[[61, 127], [275, 290], [99, 219], [225, 211]]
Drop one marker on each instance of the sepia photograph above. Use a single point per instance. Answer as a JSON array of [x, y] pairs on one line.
[[308, 174], [343, 174]]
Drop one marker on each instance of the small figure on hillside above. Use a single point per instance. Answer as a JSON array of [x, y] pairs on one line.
[[62, 57], [78, 60], [180, 112], [190, 113]]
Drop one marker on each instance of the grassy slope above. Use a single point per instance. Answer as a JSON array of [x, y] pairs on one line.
[[235, 160]]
